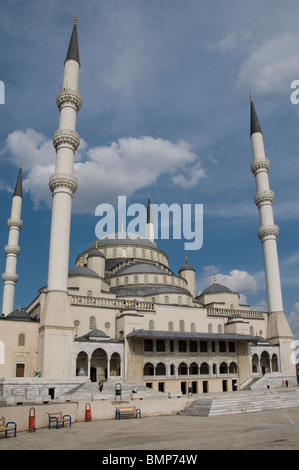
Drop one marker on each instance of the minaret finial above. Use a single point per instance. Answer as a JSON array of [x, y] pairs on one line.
[[21, 164], [215, 282], [250, 95], [75, 20]]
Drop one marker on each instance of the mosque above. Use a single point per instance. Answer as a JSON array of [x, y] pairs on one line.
[[122, 314]]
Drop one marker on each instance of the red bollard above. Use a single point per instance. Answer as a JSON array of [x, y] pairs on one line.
[[31, 426], [87, 412]]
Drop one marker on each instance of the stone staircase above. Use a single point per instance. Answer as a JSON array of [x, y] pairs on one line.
[[90, 391], [243, 403]]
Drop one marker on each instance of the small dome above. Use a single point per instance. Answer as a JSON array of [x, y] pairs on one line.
[[215, 289], [82, 271], [186, 267], [95, 253]]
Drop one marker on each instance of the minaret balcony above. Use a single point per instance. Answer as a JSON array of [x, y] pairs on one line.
[[264, 197], [268, 231], [260, 165], [68, 97], [12, 250], [66, 138]]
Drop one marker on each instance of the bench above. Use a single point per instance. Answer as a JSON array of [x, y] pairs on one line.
[[127, 412], [59, 420], [6, 428]]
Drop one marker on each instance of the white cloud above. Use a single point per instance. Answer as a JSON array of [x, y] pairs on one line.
[[194, 174], [237, 281], [104, 172], [272, 66], [231, 40]]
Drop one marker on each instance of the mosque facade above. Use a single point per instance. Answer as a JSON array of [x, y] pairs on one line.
[[121, 313]]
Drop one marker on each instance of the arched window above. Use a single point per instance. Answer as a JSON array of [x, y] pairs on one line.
[[21, 340], [151, 325], [148, 369], [89, 293], [135, 279], [223, 368], [255, 363], [126, 280], [164, 280], [233, 368], [210, 328], [180, 301], [182, 326], [219, 328], [193, 327], [160, 369], [183, 368], [204, 368], [166, 299], [251, 331], [92, 323], [170, 326], [146, 279], [193, 370]]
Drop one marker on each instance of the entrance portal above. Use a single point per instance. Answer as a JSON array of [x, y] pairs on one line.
[[98, 365]]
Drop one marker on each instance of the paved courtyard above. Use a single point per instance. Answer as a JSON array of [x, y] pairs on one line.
[[265, 430]]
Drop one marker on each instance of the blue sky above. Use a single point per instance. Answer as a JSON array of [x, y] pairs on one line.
[[165, 87]]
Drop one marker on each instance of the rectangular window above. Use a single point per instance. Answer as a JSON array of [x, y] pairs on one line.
[[203, 346], [193, 346], [182, 346], [171, 345], [148, 345], [160, 345], [231, 346], [222, 346]]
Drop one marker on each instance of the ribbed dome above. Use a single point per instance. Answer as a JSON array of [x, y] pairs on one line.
[[122, 238], [96, 253], [142, 268], [215, 289], [82, 271]]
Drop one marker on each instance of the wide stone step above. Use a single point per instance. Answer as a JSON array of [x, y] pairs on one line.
[[242, 404]]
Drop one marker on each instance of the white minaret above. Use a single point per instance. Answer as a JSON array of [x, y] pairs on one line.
[[12, 249], [56, 330], [150, 231], [278, 330]]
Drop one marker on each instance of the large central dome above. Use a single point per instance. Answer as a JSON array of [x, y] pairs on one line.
[[122, 238]]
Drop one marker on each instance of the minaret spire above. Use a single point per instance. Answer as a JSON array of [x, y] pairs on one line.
[[12, 249], [56, 330], [254, 122], [73, 49], [278, 328]]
